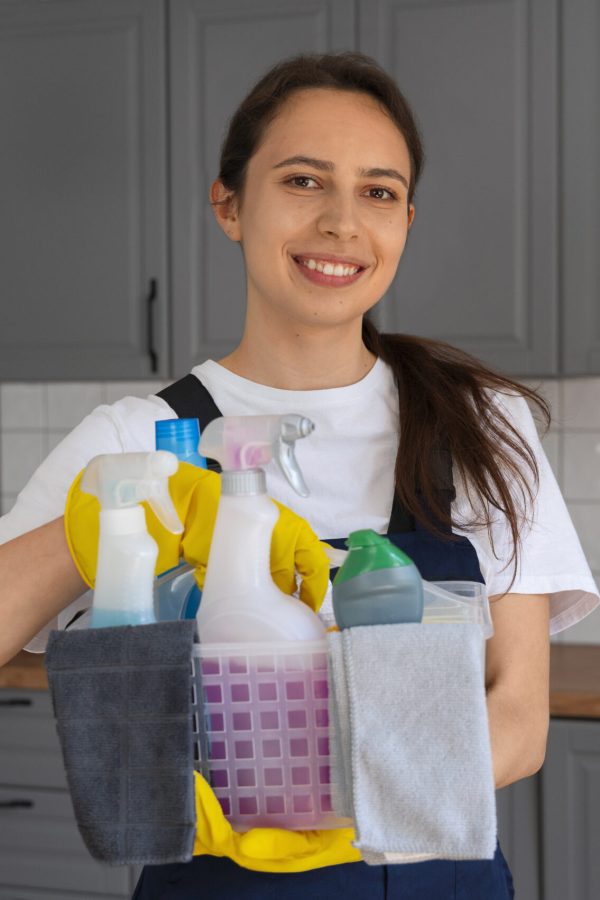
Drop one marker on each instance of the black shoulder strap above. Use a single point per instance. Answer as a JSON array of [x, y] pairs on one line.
[[191, 400], [401, 520]]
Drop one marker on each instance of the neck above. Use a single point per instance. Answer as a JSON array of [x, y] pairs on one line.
[[301, 359]]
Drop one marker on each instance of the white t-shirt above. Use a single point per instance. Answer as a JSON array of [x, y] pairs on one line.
[[348, 464]]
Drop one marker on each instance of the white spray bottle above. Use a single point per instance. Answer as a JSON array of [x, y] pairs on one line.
[[240, 601], [123, 594]]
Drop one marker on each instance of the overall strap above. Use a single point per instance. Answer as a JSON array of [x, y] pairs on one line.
[[401, 521], [190, 399]]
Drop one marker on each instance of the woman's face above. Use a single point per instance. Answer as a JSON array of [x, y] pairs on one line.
[[324, 215]]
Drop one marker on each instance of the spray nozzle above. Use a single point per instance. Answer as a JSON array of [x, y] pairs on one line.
[[250, 442], [121, 480]]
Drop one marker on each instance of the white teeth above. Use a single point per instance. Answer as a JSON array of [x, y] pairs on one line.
[[339, 270]]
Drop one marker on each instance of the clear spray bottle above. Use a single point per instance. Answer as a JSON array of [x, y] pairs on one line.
[[240, 601], [123, 594]]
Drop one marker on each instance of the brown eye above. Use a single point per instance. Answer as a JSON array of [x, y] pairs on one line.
[[380, 193], [302, 181]]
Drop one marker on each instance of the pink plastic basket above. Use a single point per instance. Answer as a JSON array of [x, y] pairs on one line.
[[262, 732]]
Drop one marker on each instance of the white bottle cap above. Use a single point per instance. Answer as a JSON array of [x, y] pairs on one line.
[[247, 483]]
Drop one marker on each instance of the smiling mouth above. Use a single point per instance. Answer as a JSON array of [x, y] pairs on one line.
[[324, 271]]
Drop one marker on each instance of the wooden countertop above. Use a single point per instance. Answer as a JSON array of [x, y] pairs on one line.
[[574, 678]]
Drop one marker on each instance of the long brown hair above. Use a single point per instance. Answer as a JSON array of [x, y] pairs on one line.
[[445, 396]]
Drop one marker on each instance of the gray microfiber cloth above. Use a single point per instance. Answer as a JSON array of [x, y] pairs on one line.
[[122, 702], [410, 730]]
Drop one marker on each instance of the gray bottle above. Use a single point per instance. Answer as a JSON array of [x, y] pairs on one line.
[[377, 585]]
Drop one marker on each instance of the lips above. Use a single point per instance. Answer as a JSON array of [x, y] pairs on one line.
[[330, 271]]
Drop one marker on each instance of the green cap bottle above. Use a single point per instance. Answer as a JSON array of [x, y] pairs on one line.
[[378, 584]]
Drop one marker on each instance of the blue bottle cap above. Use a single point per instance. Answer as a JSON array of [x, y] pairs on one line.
[[181, 437]]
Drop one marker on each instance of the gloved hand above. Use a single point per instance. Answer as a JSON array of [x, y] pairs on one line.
[[195, 493], [267, 849]]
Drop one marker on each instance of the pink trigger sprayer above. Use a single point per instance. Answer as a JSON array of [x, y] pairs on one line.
[[240, 601]]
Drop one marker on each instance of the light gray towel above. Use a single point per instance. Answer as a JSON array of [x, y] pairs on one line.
[[122, 702], [410, 724]]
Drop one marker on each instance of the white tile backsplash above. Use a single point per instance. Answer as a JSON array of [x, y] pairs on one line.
[[581, 401], [581, 469], [586, 518], [118, 389], [69, 403], [35, 417], [585, 632], [23, 406], [20, 455]]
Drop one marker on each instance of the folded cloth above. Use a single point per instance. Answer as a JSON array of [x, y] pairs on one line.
[[410, 726], [122, 702]]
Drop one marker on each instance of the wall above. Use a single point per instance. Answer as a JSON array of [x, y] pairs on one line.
[[34, 418]]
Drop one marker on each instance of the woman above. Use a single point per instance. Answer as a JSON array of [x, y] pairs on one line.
[[317, 182]]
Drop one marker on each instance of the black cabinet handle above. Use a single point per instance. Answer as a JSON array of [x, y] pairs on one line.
[[16, 804], [17, 701], [150, 301]]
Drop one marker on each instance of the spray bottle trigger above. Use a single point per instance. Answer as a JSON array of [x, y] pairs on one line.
[[292, 428], [290, 468], [163, 508]]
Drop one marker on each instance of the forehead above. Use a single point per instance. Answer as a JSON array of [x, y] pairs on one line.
[[334, 125]]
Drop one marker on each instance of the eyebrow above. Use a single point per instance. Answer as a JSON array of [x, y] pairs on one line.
[[325, 166]]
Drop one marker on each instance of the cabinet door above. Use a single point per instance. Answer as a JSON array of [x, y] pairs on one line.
[[219, 48], [571, 811], [480, 266], [580, 180], [30, 753], [82, 217], [40, 846], [518, 832]]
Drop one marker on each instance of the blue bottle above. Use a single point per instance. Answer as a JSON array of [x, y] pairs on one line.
[[178, 595], [181, 437]]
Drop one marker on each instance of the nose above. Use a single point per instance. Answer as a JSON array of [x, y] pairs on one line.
[[339, 220]]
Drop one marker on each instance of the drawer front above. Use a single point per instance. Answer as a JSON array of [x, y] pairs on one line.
[[13, 893], [29, 748], [40, 846]]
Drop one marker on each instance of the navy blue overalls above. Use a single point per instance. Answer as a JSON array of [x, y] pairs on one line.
[[218, 878]]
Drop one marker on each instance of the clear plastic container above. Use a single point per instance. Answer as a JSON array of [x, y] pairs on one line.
[[263, 740], [457, 601]]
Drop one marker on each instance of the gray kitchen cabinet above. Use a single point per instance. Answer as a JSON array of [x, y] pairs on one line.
[[42, 855], [480, 266], [83, 211], [112, 264], [519, 834], [549, 824], [580, 180], [219, 48], [570, 811]]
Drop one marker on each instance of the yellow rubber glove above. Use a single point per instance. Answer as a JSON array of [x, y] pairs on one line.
[[195, 493], [267, 849]]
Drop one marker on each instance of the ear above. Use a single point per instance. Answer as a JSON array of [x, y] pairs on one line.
[[225, 208], [411, 214]]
